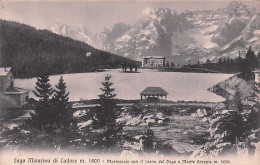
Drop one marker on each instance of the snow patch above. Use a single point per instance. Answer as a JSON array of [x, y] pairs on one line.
[[209, 29], [253, 39], [257, 32], [146, 11], [125, 37], [84, 124], [25, 132], [12, 126], [79, 113], [204, 40]]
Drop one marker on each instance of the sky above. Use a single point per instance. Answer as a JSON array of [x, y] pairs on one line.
[[95, 15]]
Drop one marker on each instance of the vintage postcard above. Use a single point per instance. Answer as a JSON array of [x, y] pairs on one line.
[[120, 82]]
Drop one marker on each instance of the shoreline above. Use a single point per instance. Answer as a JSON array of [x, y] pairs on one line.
[[164, 103], [192, 70]]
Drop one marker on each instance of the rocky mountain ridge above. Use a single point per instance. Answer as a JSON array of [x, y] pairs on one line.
[[188, 37]]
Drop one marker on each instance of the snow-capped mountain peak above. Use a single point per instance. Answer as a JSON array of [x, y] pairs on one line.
[[188, 36], [78, 32]]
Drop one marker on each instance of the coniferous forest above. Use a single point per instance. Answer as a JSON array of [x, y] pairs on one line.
[[229, 65], [30, 52]]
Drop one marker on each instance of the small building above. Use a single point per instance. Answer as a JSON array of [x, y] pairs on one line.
[[153, 93], [17, 96], [257, 75], [88, 54], [6, 79], [153, 61], [20, 95]]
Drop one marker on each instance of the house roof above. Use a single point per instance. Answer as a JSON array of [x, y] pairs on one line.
[[153, 91], [15, 90], [154, 57], [4, 71]]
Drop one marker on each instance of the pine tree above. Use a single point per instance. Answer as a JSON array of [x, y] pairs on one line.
[[228, 60], [107, 90], [61, 100], [251, 59], [172, 64], [239, 57], [167, 64], [61, 97], [107, 113], [107, 103], [219, 60], [237, 101], [258, 59], [43, 90], [43, 107], [249, 64]]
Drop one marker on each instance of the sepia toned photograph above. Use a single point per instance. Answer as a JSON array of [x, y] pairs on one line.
[[129, 82]]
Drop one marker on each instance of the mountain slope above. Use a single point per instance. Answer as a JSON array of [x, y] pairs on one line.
[[30, 51], [191, 36], [150, 36], [79, 32], [188, 37]]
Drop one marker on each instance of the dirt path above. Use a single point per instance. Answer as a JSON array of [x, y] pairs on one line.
[[211, 105]]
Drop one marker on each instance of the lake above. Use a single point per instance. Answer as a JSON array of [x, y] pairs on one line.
[[180, 86]]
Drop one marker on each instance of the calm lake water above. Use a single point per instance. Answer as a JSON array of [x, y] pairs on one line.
[[180, 86]]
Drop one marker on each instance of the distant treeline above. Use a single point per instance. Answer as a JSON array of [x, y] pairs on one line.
[[30, 52], [228, 65]]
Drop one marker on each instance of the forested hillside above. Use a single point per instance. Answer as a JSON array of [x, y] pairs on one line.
[[30, 52]]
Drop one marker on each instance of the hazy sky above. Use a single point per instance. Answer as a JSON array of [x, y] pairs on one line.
[[95, 14]]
